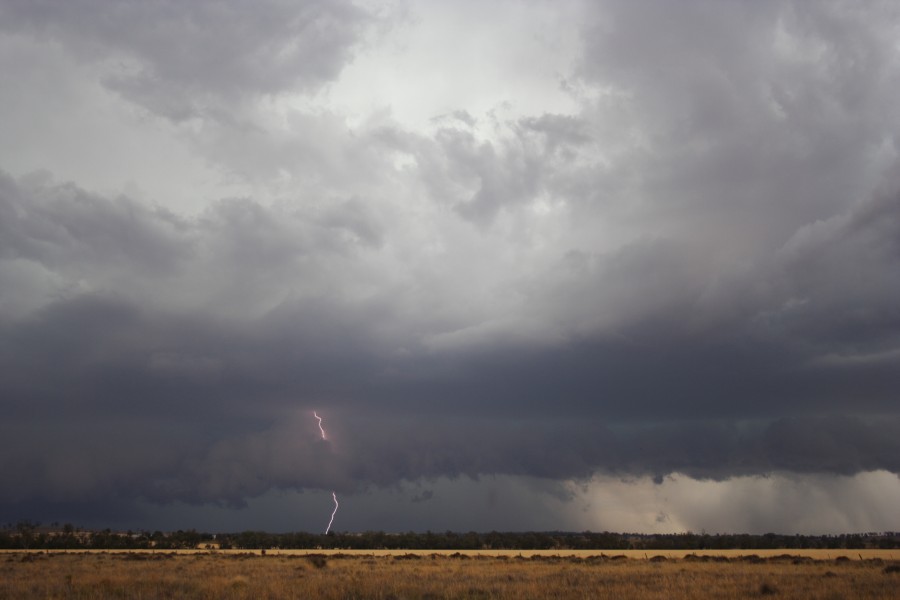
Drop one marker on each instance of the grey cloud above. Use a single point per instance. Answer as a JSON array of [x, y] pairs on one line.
[[424, 496], [183, 61], [693, 273], [507, 173], [62, 226], [713, 145], [383, 452], [471, 175], [200, 375], [559, 129], [236, 247], [839, 271]]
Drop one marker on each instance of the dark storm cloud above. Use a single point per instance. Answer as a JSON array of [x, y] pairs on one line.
[[839, 270], [215, 408], [694, 273]]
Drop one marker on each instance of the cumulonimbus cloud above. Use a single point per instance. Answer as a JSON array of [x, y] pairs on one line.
[[693, 271]]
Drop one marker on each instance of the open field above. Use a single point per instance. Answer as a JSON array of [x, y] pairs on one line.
[[816, 554], [364, 575]]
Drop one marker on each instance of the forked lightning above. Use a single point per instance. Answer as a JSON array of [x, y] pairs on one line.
[[333, 494]]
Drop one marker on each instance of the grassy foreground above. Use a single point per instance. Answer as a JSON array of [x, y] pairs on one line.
[[438, 576]]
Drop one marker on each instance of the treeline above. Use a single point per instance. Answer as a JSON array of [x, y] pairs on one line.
[[552, 541], [31, 536]]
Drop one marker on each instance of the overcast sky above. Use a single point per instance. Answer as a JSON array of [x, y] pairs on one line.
[[618, 265]]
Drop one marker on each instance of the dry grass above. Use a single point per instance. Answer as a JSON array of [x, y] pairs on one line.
[[435, 576], [815, 554]]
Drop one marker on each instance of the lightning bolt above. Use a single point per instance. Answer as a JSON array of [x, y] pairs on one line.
[[334, 512], [320, 424], [333, 494]]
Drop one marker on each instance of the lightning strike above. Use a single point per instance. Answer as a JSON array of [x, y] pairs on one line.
[[320, 424], [334, 512], [333, 494]]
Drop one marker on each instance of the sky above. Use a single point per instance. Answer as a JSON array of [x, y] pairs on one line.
[[538, 265]]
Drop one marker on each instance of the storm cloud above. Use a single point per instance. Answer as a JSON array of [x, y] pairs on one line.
[[671, 251]]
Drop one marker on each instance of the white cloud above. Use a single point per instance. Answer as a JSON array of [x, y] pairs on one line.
[[506, 58]]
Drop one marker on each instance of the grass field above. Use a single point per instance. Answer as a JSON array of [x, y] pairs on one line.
[[427, 575]]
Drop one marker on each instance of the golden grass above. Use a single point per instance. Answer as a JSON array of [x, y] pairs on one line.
[[435, 576], [814, 553]]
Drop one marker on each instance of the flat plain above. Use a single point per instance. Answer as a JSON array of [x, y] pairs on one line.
[[449, 575]]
